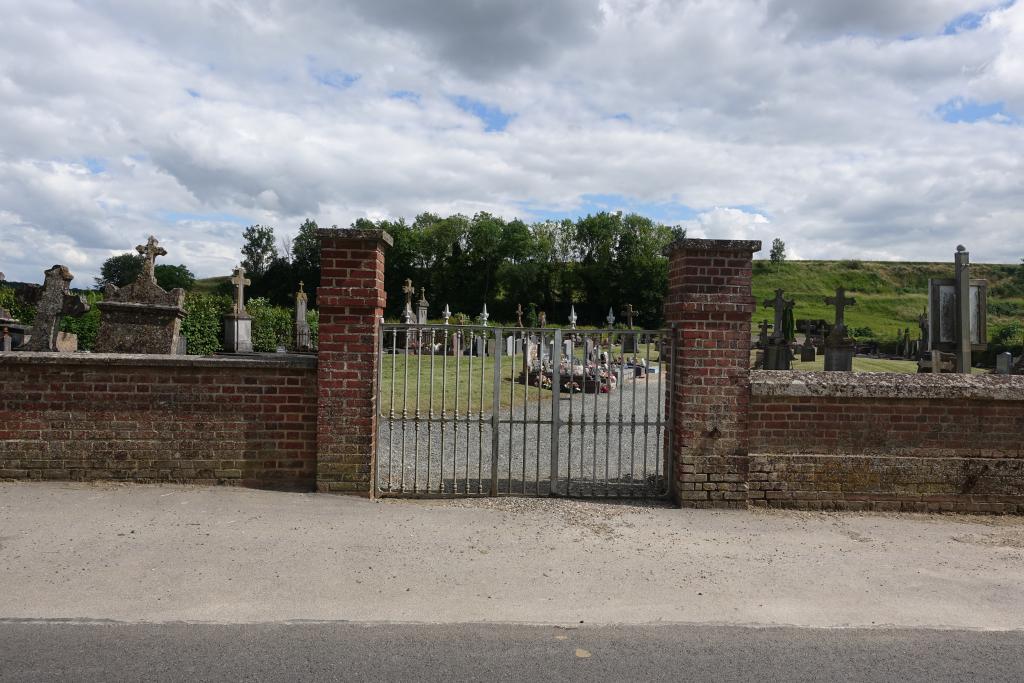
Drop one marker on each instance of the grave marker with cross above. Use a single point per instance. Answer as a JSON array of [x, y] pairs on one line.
[[150, 250], [781, 305], [240, 282], [840, 302]]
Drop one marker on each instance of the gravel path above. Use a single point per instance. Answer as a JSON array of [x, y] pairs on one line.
[[614, 458]]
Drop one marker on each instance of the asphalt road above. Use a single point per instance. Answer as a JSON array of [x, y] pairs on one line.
[[37, 651]]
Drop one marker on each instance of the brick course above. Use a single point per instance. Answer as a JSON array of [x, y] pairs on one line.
[[158, 418]]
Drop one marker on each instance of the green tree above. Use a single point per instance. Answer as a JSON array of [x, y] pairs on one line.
[[120, 270], [171, 277], [259, 249], [305, 264], [778, 253]]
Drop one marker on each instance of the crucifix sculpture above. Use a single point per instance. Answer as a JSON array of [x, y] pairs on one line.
[[840, 302], [781, 305], [240, 282], [519, 315], [151, 249], [765, 326]]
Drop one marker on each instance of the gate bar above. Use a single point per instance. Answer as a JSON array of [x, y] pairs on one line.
[[556, 393]]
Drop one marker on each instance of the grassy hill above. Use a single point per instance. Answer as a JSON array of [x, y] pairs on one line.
[[890, 295]]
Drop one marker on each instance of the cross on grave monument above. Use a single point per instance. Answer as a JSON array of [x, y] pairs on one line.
[[765, 328], [777, 355], [238, 323], [55, 302], [519, 315], [422, 306], [409, 291], [839, 348], [141, 317], [303, 341]]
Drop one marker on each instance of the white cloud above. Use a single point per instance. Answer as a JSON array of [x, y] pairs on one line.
[[123, 119]]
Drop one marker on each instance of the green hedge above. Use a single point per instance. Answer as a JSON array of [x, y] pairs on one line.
[[202, 326]]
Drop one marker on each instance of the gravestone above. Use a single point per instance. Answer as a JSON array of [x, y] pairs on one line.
[[807, 352], [407, 315], [839, 348], [303, 335], [492, 348], [567, 349], [1018, 367], [588, 349], [56, 301], [519, 315], [141, 317], [777, 354], [238, 323], [6, 340], [421, 307], [957, 313], [1004, 363], [762, 338], [628, 340]]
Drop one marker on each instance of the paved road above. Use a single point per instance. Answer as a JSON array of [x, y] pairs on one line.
[[609, 452], [338, 651]]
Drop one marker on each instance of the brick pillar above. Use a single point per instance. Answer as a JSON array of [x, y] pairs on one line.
[[710, 303], [351, 301]]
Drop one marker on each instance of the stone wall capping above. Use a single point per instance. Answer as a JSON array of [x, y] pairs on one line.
[[266, 360], [887, 385], [691, 244], [357, 234]]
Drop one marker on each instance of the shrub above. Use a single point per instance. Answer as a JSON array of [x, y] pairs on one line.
[[202, 326], [87, 326], [18, 309], [271, 325], [313, 318]]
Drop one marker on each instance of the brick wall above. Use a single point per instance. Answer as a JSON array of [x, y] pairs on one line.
[[709, 304], [159, 418], [886, 441], [351, 302]]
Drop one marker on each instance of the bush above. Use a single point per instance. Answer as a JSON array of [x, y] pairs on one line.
[[202, 326], [271, 325], [18, 309], [87, 326], [313, 318]]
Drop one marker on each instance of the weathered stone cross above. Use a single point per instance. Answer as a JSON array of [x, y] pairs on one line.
[[409, 291], [840, 302], [151, 249], [781, 305], [519, 315], [765, 326], [239, 281]]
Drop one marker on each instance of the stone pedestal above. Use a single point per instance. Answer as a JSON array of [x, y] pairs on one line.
[[1004, 363], [777, 355], [129, 327], [839, 358], [237, 333], [807, 353]]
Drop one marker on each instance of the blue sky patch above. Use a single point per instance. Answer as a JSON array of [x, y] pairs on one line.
[[961, 110], [972, 20], [407, 95], [662, 212], [186, 217], [495, 120], [193, 93], [94, 165], [622, 116], [332, 78]]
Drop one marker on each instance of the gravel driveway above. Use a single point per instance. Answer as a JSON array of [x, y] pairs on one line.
[[602, 454]]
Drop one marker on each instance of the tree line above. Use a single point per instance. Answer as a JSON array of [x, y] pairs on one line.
[[595, 263]]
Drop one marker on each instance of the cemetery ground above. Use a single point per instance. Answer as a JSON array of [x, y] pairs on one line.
[[169, 581]]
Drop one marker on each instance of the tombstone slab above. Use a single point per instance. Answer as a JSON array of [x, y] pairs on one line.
[[141, 317], [1004, 363]]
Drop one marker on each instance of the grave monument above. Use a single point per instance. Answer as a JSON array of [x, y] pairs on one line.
[[238, 323], [957, 313], [777, 354], [839, 348], [407, 315], [303, 337], [55, 302], [141, 317], [629, 340]]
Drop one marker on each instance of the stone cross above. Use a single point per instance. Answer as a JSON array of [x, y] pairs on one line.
[[922, 323], [240, 282], [409, 291], [543, 320], [151, 249], [519, 315], [781, 305], [55, 302], [840, 302], [765, 326], [627, 312]]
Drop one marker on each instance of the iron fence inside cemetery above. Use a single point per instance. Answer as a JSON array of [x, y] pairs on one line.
[[472, 410]]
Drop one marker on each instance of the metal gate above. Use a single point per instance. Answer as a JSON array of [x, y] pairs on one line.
[[467, 410]]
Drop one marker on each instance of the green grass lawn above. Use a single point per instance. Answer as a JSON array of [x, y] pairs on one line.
[[890, 295]]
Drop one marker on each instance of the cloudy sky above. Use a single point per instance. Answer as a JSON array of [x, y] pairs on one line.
[[870, 129]]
